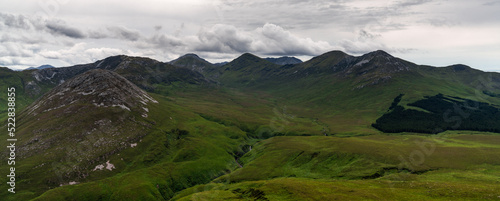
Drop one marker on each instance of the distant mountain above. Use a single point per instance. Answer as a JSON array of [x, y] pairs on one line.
[[144, 72], [192, 61], [284, 60], [221, 63], [40, 67], [246, 70]]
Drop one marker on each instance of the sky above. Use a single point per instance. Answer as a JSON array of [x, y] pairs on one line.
[[69, 32]]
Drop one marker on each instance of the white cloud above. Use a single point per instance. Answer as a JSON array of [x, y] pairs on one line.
[[277, 41]]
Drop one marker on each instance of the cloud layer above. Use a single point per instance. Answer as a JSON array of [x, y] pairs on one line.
[[64, 32]]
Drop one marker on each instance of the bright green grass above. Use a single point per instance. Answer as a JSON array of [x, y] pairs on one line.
[[310, 189]]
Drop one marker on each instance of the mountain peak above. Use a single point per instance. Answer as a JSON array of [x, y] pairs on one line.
[[123, 61], [191, 55], [248, 56], [335, 53], [94, 88], [193, 62], [379, 53], [248, 59], [188, 56]]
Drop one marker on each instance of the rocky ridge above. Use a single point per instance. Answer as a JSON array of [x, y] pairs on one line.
[[100, 88]]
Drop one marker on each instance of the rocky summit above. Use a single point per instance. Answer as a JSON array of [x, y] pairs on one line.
[[95, 88]]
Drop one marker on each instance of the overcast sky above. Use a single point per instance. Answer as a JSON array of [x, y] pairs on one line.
[[68, 32]]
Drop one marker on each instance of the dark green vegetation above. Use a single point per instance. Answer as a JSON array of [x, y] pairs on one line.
[[255, 130], [441, 113]]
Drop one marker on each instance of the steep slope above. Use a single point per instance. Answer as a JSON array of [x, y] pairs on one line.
[[68, 135]]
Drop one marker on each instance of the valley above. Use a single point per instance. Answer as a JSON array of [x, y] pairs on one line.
[[331, 128]]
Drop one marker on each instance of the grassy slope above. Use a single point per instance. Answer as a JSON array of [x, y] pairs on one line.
[[462, 166]]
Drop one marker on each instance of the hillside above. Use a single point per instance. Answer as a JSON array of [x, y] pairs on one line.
[[77, 126]]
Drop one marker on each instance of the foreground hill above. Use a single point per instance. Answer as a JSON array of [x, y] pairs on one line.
[[70, 133]]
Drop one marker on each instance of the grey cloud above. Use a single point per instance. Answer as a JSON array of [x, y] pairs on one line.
[[223, 38], [17, 50], [11, 61], [15, 21], [367, 42], [60, 28], [268, 39], [357, 47], [303, 15], [491, 3], [408, 3], [440, 22], [54, 27], [94, 34], [124, 33], [165, 41], [363, 35], [18, 38]]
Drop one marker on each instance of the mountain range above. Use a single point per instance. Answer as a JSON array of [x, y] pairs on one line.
[[334, 127]]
